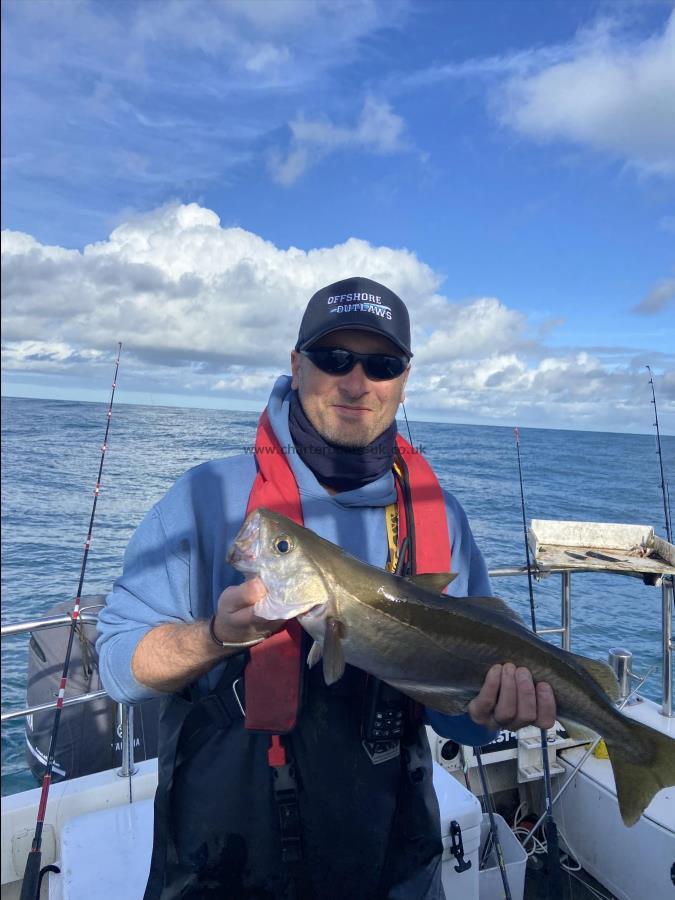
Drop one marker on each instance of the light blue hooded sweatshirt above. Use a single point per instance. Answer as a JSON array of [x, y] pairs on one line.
[[175, 564]]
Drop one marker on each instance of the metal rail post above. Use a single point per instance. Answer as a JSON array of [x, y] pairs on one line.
[[126, 721], [667, 632], [566, 609]]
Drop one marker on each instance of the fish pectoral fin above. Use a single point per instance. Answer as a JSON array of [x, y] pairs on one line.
[[314, 654], [601, 672], [493, 605], [333, 654], [432, 581]]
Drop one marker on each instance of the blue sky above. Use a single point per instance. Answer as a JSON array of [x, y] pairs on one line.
[[183, 175]]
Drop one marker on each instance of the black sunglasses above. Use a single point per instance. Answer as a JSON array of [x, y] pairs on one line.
[[377, 366]]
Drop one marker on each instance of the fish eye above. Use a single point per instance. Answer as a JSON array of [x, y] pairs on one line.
[[283, 544]]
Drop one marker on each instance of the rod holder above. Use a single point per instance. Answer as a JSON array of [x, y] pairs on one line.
[[621, 662]]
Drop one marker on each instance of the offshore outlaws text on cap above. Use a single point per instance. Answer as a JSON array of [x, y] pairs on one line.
[[356, 303]]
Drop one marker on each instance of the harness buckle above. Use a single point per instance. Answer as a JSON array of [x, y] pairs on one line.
[[240, 703], [221, 707], [286, 796]]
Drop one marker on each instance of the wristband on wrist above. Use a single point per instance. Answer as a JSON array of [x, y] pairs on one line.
[[230, 646]]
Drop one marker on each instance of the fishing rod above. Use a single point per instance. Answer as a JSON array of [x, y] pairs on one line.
[[664, 483], [550, 828], [31, 878], [407, 424], [527, 544]]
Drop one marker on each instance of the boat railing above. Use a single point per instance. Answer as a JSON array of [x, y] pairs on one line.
[[565, 627], [125, 712], [41, 625], [50, 622], [42, 707]]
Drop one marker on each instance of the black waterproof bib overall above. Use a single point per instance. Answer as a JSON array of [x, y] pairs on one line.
[[368, 831]]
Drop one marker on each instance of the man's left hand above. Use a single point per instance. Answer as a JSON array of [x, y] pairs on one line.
[[510, 699]]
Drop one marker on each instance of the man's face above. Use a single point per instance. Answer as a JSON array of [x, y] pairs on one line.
[[349, 410]]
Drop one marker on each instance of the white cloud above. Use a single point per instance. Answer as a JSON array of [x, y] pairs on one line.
[[483, 67], [206, 310], [472, 330], [267, 56], [575, 390], [610, 94], [378, 130], [222, 30], [47, 356], [603, 89], [245, 384], [661, 296], [173, 285], [233, 44]]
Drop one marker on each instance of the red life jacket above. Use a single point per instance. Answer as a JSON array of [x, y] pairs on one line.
[[272, 678]]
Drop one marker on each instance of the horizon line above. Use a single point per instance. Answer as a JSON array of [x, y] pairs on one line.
[[259, 408]]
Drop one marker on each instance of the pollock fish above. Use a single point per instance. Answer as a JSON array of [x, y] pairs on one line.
[[436, 649]]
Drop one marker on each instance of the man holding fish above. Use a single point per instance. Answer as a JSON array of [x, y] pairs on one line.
[[279, 779]]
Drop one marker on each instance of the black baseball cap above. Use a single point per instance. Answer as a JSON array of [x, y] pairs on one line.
[[359, 303]]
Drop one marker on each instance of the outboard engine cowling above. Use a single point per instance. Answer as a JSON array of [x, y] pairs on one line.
[[89, 738]]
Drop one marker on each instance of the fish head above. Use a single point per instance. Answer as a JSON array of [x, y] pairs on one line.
[[285, 557]]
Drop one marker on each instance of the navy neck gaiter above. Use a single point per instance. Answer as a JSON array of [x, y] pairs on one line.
[[339, 468]]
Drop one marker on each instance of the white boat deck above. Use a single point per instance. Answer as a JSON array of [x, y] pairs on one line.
[[105, 854], [90, 795]]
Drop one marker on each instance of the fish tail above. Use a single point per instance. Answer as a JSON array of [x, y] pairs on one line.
[[643, 762]]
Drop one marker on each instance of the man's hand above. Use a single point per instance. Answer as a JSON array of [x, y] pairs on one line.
[[510, 699], [235, 621]]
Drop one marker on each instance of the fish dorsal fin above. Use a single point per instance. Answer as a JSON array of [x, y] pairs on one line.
[[602, 672], [333, 653], [492, 605], [432, 581]]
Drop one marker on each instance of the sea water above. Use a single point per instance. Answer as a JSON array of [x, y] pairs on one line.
[[51, 452]]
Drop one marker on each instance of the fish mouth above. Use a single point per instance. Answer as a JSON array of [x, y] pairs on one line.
[[245, 551]]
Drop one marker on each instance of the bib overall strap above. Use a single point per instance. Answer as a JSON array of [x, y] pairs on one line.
[[220, 708], [286, 796]]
